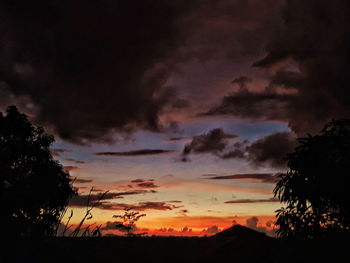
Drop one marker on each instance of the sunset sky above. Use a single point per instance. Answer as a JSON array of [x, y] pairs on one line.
[[182, 110]]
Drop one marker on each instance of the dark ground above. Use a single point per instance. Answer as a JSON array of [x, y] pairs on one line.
[[237, 244]]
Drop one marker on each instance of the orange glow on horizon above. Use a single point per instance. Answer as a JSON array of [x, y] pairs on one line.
[[192, 226]]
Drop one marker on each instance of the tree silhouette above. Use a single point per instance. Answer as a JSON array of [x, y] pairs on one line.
[[34, 188], [316, 186], [128, 221]]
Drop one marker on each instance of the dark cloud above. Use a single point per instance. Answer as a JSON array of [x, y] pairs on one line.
[[147, 185], [225, 36], [81, 200], [230, 29], [236, 151], [174, 139], [287, 79], [262, 177], [241, 82], [308, 53], [318, 44], [269, 150], [266, 105], [142, 152], [82, 181], [215, 141], [140, 180], [252, 201], [92, 68], [75, 161], [141, 206]]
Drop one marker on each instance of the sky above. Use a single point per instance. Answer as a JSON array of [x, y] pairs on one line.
[[182, 110]]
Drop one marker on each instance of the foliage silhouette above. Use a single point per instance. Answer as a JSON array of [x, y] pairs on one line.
[[316, 186], [128, 221], [34, 188]]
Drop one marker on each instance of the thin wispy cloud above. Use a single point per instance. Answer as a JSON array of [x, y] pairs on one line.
[[251, 201], [262, 177], [74, 160], [81, 200], [141, 206]]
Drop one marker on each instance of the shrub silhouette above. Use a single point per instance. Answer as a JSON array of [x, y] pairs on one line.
[[34, 188], [316, 186], [128, 221]]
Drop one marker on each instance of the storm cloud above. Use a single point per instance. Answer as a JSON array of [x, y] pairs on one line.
[[89, 70], [267, 105], [92, 68], [308, 53], [272, 149], [215, 141], [268, 151], [322, 59]]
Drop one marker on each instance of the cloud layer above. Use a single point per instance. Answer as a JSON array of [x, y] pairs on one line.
[[309, 60], [92, 68], [89, 70], [252, 201]]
